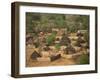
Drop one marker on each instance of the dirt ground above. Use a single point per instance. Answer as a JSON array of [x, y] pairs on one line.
[[61, 61], [35, 63]]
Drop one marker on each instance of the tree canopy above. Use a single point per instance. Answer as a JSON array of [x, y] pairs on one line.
[[36, 22]]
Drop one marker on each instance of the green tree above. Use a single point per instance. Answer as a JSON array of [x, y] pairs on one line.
[[50, 38]]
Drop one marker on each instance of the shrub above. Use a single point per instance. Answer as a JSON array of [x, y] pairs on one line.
[[86, 36], [84, 59], [50, 38], [57, 46]]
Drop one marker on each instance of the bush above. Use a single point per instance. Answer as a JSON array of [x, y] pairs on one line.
[[50, 38], [57, 46], [84, 59], [86, 36]]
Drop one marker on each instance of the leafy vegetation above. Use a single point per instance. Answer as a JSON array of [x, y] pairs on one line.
[[57, 46], [86, 36], [84, 59], [50, 38], [45, 22]]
